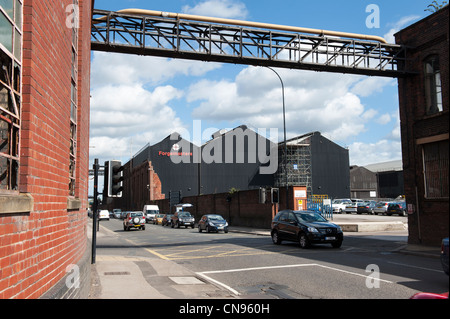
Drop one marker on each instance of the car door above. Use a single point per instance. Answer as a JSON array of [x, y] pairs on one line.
[[291, 227]]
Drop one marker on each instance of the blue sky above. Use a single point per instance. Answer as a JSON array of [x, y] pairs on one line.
[[139, 100]]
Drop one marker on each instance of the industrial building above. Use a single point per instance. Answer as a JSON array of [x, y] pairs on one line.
[[239, 159]]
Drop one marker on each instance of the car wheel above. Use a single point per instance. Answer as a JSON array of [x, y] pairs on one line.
[[199, 229], [276, 240], [208, 230], [143, 227], [303, 241]]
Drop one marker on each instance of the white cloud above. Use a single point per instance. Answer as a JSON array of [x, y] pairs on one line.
[[219, 8], [314, 102], [371, 85], [369, 153], [401, 24], [113, 68], [384, 119]]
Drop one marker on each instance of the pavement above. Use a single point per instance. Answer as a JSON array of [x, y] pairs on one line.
[[156, 278]]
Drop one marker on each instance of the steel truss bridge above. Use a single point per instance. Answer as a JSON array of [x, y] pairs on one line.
[[206, 41]]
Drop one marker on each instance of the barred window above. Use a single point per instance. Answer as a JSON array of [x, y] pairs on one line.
[[435, 164], [10, 92]]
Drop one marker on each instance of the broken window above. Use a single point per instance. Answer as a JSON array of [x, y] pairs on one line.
[[433, 86], [10, 92], [73, 111]]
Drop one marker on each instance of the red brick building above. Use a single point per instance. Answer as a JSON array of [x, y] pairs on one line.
[[424, 116], [44, 147]]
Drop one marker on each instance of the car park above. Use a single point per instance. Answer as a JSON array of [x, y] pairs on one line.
[[103, 214], [306, 228], [212, 222], [398, 208], [340, 204], [366, 207], [134, 220], [182, 218], [167, 220], [444, 255]]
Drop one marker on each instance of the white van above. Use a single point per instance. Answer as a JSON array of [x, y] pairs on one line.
[[103, 214], [150, 211]]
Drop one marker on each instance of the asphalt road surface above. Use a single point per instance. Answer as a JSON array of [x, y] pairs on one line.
[[365, 267]]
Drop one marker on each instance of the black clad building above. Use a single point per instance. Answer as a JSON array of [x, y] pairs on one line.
[[243, 159]]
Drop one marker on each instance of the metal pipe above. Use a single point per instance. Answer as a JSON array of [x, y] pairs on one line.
[[250, 24]]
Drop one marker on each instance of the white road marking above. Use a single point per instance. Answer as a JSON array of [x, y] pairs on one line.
[[205, 273]]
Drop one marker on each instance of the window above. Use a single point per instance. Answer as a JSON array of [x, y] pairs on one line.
[[10, 92], [433, 88], [73, 111], [435, 164]]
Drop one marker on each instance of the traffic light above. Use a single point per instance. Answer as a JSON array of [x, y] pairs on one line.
[[275, 192], [114, 178]]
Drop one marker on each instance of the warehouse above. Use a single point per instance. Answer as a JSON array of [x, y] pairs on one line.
[[242, 159]]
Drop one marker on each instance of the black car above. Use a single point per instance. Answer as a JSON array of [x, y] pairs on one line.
[[182, 219], [306, 228], [212, 222], [398, 208]]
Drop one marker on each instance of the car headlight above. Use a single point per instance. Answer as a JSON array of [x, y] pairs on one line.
[[312, 230], [339, 229]]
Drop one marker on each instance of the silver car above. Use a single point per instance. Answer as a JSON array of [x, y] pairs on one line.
[[381, 208]]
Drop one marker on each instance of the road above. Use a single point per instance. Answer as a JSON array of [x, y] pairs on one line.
[[250, 266]]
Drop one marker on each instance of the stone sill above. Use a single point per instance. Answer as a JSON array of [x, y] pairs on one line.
[[16, 204]]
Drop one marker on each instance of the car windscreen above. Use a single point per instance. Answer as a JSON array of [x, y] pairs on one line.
[[215, 217], [184, 214], [309, 217]]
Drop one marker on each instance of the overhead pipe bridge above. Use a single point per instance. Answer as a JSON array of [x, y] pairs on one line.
[[172, 35]]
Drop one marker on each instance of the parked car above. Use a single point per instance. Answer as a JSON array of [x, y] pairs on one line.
[[340, 204], [117, 212], [366, 207], [103, 214], [182, 219], [306, 228], [158, 219], [444, 255], [353, 206], [381, 208], [134, 220], [212, 222], [166, 220], [398, 208]]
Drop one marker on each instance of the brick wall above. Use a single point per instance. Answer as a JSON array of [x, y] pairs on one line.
[[37, 246], [430, 221]]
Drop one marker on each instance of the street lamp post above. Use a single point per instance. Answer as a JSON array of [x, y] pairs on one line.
[[285, 144]]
